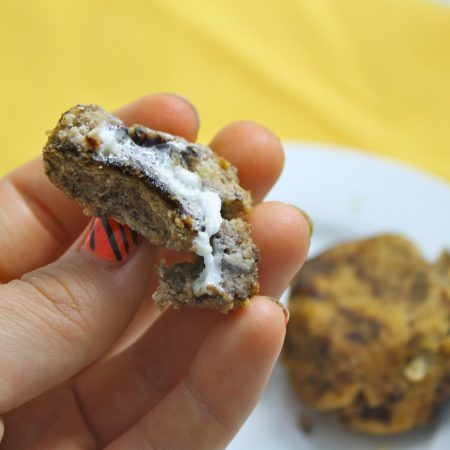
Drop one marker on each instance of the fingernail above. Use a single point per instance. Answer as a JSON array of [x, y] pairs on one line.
[[2, 428], [111, 241], [286, 312], [307, 218], [188, 102]]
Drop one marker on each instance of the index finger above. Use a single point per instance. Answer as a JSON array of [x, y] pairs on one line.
[[255, 151]]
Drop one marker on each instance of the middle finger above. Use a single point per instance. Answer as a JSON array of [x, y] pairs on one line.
[[255, 151]]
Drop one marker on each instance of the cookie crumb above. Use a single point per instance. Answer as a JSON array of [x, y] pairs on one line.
[[305, 423], [416, 370]]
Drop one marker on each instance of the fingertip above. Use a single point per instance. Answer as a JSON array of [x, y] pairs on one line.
[[282, 235], [166, 112], [308, 220], [257, 153], [285, 222], [283, 308], [268, 325], [300, 224]]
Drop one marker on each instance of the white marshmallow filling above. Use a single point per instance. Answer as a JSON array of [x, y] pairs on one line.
[[199, 202]]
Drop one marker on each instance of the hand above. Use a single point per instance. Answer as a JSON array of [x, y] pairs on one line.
[[72, 375]]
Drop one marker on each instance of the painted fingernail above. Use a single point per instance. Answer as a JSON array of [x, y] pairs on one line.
[[286, 312], [110, 240], [307, 218]]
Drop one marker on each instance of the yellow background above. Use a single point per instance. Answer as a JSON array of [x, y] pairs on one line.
[[371, 74]]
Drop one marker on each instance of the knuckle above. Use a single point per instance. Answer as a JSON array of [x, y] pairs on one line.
[[218, 418], [63, 299]]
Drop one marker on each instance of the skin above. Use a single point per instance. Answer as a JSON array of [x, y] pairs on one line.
[[87, 361]]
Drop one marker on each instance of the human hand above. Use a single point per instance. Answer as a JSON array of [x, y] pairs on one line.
[[73, 376]]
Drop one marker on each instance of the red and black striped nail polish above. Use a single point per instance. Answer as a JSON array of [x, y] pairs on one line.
[[110, 240]]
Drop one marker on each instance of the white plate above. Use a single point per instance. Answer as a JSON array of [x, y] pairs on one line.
[[350, 195]]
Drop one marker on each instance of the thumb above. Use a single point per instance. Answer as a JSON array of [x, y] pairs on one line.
[[56, 320]]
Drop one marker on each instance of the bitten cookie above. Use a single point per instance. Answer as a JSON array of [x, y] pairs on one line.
[[176, 194]]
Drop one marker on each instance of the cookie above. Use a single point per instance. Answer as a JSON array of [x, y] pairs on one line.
[[369, 335], [178, 195]]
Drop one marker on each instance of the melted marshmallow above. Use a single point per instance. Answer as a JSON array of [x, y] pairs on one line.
[[201, 203]]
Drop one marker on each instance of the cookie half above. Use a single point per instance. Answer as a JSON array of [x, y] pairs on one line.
[[176, 194]]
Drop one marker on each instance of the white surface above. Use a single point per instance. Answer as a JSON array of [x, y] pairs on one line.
[[350, 195]]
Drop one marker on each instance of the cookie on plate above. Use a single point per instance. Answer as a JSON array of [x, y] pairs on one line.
[[369, 335]]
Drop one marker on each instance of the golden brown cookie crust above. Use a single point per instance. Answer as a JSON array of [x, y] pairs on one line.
[[369, 335]]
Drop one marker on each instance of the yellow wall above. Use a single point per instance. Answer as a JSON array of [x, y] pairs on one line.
[[371, 74]]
